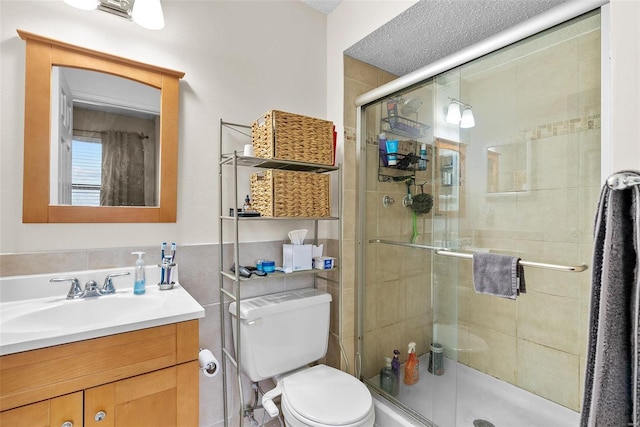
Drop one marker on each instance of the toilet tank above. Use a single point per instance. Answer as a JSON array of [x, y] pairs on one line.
[[281, 332]]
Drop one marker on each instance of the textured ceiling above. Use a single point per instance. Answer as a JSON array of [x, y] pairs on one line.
[[324, 6], [433, 29]]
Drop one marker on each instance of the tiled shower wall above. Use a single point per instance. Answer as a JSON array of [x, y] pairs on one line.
[[548, 103]]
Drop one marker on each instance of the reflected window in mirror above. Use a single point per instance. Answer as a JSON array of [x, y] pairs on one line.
[[109, 116]]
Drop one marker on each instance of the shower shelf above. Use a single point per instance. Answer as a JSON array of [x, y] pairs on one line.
[[230, 163], [448, 252]]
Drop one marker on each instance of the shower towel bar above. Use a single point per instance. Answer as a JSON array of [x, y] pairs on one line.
[[449, 252], [622, 180]]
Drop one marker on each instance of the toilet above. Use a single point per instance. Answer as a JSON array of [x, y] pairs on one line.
[[280, 335]]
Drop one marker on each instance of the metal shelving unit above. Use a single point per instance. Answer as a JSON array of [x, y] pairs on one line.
[[233, 161]]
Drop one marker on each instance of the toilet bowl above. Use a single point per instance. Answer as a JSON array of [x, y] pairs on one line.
[[280, 335], [323, 396]]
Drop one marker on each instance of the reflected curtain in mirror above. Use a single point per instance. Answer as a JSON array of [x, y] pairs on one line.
[[122, 169]]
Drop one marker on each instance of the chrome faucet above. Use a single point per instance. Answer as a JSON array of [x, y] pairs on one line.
[[91, 288], [75, 291], [107, 287]]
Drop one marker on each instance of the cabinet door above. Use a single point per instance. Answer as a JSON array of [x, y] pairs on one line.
[[165, 398], [53, 412]]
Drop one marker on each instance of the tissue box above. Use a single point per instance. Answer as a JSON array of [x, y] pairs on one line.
[[296, 257], [323, 262]]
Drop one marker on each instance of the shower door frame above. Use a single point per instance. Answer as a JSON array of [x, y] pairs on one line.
[[555, 16]]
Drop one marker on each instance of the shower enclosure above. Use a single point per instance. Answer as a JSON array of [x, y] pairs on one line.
[[522, 180]]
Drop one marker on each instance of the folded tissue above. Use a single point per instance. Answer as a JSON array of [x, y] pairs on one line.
[[297, 236], [297, 256]]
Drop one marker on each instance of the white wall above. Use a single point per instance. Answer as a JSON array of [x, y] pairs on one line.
[[625, 85], [241, 58]]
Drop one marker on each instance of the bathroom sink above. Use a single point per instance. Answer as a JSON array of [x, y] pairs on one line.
[[66, 314], [35, 313]]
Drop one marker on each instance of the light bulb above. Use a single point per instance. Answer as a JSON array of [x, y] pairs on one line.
[[453, 113], [83, 4], [148, 14], [467, 120]]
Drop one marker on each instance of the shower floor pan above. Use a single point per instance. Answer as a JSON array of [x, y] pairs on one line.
[[464, 395]]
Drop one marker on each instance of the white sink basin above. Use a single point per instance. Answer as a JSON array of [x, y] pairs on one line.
[[27, 323], [65, 314]]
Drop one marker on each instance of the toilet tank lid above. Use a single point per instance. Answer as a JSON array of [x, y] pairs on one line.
[[252, 308]]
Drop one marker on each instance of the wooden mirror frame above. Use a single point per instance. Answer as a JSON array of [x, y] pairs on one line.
[[41, 55]]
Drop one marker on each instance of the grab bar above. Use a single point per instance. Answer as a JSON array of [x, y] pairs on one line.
[[449, 252]]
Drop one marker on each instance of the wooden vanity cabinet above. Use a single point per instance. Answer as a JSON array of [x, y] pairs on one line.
[[140, 378]]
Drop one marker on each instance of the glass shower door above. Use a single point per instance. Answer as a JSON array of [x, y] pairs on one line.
[[403, 299]]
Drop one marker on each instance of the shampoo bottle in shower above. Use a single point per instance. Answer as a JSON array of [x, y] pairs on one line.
[[422, 163], [395, 368], [411, 374], [386, 376]]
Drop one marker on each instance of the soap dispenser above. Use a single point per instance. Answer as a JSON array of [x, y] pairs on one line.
[[139, 284], [411, 373]]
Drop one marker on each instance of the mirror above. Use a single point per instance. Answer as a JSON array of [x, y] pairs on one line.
[[43, 192], [508, 168], [449, 165], [103, 140]]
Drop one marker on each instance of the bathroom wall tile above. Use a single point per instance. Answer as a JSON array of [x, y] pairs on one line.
[[549, 373], [418, 296], [198, 272], [42, 262], [590, 174], [391, 302], [551, 211], [348, 261], [360, 71], [492, 312], [495, 353], [349, 218], [418, 329], [352, 89], [348, 313], [349, 167], [370, 306], [554, 163], [539, 316], [370, 360]]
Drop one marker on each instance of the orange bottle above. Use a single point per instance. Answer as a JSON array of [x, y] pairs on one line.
[[411, 368]]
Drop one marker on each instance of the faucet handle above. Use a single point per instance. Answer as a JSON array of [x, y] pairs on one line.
[[107, 287], [75, 291]]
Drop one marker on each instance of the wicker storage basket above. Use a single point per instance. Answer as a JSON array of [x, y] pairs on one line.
[[286, 136], [277, 193]]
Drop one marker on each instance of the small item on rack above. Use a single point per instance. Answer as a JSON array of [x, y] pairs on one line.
[[247, 204], [395, 368], [386, 376], [382, 146], [392, 152], [422, 164], [411, 368], [436, 361]]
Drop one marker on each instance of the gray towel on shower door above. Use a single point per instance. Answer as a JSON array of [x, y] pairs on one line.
[[499, 275], [611, 387]]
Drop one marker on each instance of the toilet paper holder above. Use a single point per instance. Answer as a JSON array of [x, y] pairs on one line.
[[208, 363]]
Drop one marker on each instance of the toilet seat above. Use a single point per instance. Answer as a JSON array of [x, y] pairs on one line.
[[324, 396]]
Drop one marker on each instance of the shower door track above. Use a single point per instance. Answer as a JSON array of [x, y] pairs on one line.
[[448, 252]]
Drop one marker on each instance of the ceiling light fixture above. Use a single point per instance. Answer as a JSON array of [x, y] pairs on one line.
[[146, 13], [465, 120]]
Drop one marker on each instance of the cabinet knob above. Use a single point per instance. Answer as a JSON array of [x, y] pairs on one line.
[[67, 423], [100, 415]]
